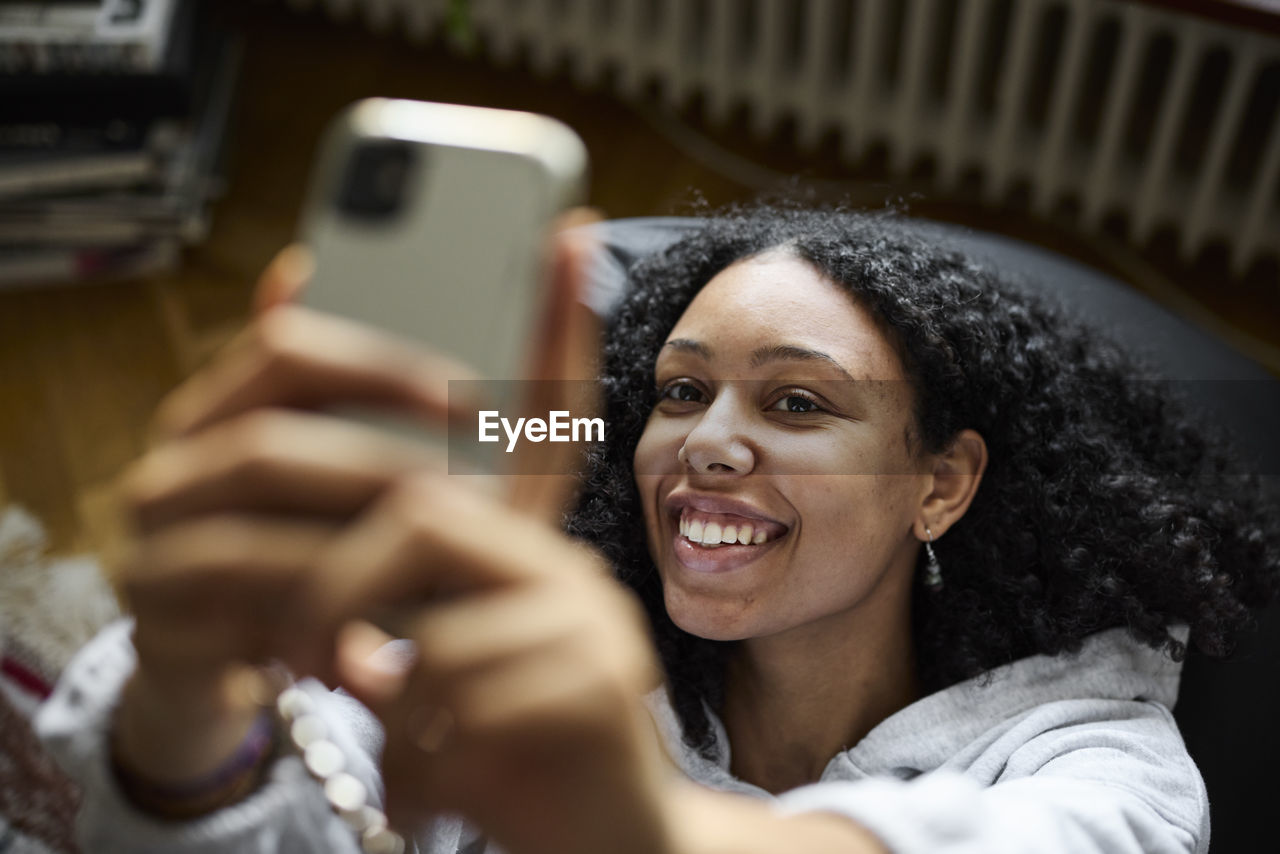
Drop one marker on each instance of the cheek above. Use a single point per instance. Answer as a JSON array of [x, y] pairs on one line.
[[656, 452], [654, 459], [842, 451], [865, 512]]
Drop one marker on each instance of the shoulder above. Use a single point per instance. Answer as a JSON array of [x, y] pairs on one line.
[[1098, 721], [1073, 753]]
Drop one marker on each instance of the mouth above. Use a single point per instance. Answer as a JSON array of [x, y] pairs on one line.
[[713, 530], [717, 535]]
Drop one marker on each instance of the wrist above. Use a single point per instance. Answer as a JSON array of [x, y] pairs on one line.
[[703, 821], [170, 730], [238, 775], [695, 819]]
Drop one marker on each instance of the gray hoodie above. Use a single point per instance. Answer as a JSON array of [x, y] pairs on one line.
[[1051, 755]]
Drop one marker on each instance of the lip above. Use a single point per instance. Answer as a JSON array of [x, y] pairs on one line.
[[705, 502], [722, 558], [725, 557]]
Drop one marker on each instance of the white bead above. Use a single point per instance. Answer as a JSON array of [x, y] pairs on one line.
[[382, 841], [323, 758], [306, 730], [293, 703], [345, 793]]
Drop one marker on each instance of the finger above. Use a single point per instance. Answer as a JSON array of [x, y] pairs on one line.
[[216, 587], [284, 278], [426, 757], [446, 643], [532, 693], [569, 345], [501, 681], [416, 728], [453, 641], [450, 642], [563, 356], [426, 539], [448, 743], [589, 626], [469, 633], [241, 549], [368, 668], [298, 358], [269, 461]]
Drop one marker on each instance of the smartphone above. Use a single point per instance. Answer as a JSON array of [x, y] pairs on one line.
[[430, 221]]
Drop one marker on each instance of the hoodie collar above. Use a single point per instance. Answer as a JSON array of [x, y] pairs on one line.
[[1110, 665]]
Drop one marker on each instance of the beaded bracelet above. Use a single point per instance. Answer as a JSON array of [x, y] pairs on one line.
[[291, 723], [307, 735]]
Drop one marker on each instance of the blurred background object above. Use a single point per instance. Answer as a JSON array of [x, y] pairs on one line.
[[49, 608], [112, 121], [1151, 125]]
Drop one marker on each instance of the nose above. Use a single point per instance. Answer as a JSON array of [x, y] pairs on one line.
[[718, 443]]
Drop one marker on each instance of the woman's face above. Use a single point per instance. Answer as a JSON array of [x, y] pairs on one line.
[[783, 423]]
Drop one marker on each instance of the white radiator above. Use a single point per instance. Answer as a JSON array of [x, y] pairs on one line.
[[1098, 110]]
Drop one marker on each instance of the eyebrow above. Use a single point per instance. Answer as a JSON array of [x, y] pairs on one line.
[[763, 355], [688, 345]]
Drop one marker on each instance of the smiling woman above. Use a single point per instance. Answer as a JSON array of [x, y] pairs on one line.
[[760, 426], [763, 414], [862, 391], [919, 555]]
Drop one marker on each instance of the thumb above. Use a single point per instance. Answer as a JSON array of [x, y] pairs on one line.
[[284, 278], [370, 670], [542, 479]]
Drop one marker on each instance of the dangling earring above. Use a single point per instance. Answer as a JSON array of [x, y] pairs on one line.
[[932, 569]]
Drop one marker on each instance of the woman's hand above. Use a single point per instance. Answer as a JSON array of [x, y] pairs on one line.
[[233, 508], [247, 485], [521, 710]]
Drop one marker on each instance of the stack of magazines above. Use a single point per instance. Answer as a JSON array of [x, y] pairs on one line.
[[113, 117]]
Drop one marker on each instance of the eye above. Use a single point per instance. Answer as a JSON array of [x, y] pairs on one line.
[[796, 401], [683, 392]]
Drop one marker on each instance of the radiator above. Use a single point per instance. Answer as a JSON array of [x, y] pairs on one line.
[[1117, 115]]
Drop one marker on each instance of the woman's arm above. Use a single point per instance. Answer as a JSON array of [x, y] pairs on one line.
[[75, 725], [708, 822]]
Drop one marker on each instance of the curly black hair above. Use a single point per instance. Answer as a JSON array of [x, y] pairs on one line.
[[1103, 504]]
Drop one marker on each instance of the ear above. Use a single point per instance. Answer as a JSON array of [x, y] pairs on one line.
[[957, 471]]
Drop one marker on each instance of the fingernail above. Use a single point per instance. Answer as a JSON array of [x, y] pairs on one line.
[[295, 264]]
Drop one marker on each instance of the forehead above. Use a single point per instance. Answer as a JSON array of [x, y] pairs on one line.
[[779, 299]]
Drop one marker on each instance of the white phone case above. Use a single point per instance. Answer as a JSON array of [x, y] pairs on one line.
[[458, 264]]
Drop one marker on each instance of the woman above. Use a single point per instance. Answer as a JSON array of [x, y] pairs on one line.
[[890, 518]]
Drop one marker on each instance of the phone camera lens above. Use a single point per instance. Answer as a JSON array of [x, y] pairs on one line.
[[376, 179]]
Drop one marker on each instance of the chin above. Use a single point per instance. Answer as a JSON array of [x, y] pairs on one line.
[[708, 620]]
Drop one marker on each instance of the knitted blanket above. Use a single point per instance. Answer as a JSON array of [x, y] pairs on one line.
[[48, 609]]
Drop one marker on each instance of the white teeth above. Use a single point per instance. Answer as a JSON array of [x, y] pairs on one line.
[[711, 534]]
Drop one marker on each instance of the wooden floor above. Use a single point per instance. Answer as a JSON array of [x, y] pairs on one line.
[[81, 368]]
